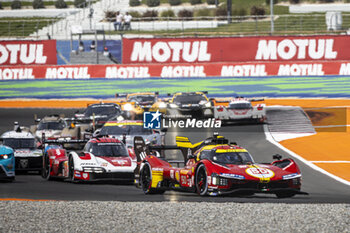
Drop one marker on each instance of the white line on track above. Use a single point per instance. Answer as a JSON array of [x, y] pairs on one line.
[[308, 163], [330, 126], [331, 161]]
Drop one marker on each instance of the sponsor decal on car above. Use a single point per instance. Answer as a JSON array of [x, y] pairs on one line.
[[157, 169], [85, 175], [209, 179], [87, 164], [65, 169], [291, 176], [184, 172], [177, 176], [234, 176], [259, 172]]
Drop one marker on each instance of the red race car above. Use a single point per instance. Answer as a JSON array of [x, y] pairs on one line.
[[102, 158], [214, 167]]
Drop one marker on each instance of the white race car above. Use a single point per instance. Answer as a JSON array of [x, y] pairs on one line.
[[102, 159], [51, 126], [239, 110], [27, 155]]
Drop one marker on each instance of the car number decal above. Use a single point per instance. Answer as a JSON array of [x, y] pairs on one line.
[[260, 172]]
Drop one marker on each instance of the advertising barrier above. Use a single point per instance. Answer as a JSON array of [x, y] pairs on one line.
[[176, 70], [236, 49], [42, 52]]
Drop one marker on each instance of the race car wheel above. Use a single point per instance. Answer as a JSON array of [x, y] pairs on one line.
[[201, 180], [45, 172], [285, 195], [71, 169], [146, 180]]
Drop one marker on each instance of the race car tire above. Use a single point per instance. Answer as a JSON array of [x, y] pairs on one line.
[[146, 180], [201, 180], [71, 169], [284, 195], [45, 173]]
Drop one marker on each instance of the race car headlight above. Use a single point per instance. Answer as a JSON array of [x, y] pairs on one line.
[[127, 107], [216, 180], [232, 176], [296, 181], [173, 106], [205, 103], [93, 169], [162, 105], [208, 105], [4, 156], [291, 176]]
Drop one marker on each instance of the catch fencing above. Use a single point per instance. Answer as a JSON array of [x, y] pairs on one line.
[[175, 26]]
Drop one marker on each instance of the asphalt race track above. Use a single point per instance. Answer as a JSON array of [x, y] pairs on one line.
[[321, 188]]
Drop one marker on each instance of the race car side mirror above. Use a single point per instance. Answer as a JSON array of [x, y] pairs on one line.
[[277, 157]]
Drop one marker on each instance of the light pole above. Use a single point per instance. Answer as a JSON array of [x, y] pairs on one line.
[[229, 9], [271, 12]]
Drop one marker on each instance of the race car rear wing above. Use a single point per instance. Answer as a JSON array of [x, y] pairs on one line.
[[124, 95], [62, 141], [142, 150], [193, 92]]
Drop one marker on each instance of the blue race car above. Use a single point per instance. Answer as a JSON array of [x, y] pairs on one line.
[[7, 163]]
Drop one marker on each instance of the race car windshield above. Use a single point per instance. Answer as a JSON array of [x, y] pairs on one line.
[[125, 129], [107, 149], [20, 143], [189, 99], [142, 98], [232, 158], [240, 106], [51, 125], [102, 110]]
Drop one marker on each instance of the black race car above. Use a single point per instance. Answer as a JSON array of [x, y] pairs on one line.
[[189, 105]]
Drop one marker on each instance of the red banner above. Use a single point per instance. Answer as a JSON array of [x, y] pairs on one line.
[[176, 70], [42, 52], [236, 49]]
